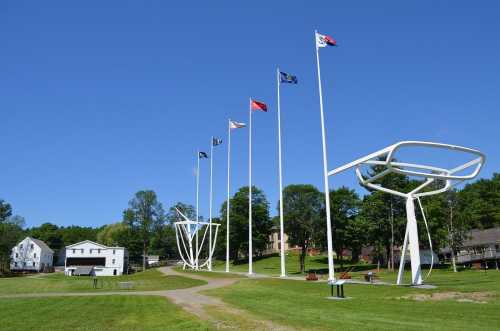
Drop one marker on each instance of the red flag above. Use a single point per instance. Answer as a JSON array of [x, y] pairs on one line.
[[257, 105]]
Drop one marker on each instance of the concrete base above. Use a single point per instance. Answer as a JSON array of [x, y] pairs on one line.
[[338, 298], [425, 286]]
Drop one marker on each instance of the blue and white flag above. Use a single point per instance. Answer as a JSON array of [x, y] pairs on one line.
[[287, 78]]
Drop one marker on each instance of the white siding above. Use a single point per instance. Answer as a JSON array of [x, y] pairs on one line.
[[27, 255], [116, 258]]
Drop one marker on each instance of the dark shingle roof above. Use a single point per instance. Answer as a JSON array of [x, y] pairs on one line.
[[482, 237], [41, 244]]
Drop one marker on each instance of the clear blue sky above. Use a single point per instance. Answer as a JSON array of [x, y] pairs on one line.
[[101, 99]]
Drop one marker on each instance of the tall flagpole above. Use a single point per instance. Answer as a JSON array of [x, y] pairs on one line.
[[282, 236], [250, 257], [210, 207], [227, 203], [197, 204], [331, 276]]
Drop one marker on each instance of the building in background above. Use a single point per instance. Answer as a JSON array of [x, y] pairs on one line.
[[88, 258], [31, 255]]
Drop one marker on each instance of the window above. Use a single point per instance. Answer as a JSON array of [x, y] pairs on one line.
[[114, 251], [81, 250], [15, 264], [113, 261], [34, 255], [90, 251], [17, 255], [74, 251], [21, 246], [99, 251], [32, 246], [33, 263]]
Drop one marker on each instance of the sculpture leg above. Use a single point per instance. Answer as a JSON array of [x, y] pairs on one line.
[[416, 274], [402, 259]]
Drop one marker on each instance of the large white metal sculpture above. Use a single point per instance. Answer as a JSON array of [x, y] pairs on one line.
[[444, 179], [185, 233]]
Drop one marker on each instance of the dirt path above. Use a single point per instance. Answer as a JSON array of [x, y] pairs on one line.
[[213, 309]]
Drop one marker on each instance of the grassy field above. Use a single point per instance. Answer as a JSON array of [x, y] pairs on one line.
[[304, 304], [120, 313], [271, 265], [143, 281]]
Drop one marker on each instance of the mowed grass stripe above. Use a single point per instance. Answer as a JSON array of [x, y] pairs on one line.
[[150, 280], [303, 305], [96, 313]]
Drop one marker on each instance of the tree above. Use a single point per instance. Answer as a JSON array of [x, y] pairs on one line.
[[109, 235], [479, 202], [261, 223], [302, 209], [344, 206], [11, 233], [5, 211], [144, 216]]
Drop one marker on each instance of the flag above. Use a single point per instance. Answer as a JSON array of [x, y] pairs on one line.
[[236, 125], [216, 141], [202, 155], [257, 105], [324, 40], [287, 78]]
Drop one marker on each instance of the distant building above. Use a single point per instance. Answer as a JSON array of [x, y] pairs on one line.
[[480, 246], [274, 244], [88, 258], [153, 260], [31, 255]]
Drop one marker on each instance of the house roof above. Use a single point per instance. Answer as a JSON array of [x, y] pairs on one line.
[[41, 244], [482, 237], [93, 243]]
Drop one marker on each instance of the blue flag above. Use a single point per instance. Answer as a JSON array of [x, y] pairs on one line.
[[287, 78]]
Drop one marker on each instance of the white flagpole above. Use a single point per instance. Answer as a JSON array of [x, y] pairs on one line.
[[250, 257], [210, 207], [197, 204], [282, 236], [331, 276], [227, 203]]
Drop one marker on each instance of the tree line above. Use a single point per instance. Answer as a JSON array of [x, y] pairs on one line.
[[376, 219]]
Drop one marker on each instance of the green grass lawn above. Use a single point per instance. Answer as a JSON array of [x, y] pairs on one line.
[[143, 281], [304, 304], [119, 313], [271, 265]]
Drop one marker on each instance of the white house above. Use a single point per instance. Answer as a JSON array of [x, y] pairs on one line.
[[93, 259], [31, 255]]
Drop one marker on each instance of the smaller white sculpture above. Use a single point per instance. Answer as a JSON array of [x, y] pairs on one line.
[[446, 178], [185, 233]]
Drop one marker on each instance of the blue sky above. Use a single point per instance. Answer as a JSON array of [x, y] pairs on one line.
[[101, 99]]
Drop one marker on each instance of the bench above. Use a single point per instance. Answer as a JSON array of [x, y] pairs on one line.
[[126, 285], [370, 277]]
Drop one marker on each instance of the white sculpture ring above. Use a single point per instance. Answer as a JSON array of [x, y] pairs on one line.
[[449, 177]]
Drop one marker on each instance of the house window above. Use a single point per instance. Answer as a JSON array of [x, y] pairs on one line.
[[99, 251], [74, 251], [33, 263], [113, 261], [81, 250], [32, 246], [17, 255], [34, 255], [90, 251], [15, 264], [21, 246], [114, 251]]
